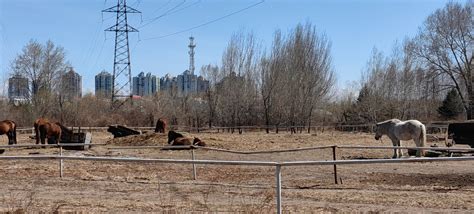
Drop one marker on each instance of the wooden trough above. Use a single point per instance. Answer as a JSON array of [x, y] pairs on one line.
[[69, 136], [462, 133]]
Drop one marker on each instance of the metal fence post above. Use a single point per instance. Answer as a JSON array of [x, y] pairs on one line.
[[278, 188], [194, 165], [335, 166]]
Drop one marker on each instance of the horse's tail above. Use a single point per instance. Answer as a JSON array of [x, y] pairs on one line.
[[14, 132], [423, 136], [422, 139]]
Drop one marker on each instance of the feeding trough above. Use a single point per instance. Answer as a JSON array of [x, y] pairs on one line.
[[69, 136], [461, 133]]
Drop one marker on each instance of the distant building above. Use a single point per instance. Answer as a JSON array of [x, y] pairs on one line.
[[18, 88], [167, 82], [186, 83], [103, 84], [202, 84], [231, 80], [145, 85], [71, 85]]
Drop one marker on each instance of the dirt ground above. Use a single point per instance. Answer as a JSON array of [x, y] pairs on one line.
[[94, 187]]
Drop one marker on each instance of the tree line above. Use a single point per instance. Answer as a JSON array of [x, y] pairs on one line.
[[290, 83]]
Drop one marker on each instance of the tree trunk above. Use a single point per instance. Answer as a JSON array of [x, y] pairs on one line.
[[470, 110]]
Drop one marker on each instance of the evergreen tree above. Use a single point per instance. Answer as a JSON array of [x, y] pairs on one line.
[[452, 105]]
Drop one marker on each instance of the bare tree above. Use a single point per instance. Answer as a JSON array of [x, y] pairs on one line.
[[42, 65], [446, 44], [211, 73], [308, 71], [238, 88]]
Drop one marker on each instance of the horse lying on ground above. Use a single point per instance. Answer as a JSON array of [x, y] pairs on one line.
[[160, 126], [398, 130], [8, 127], [177, 139], [52, 131], [172, 135]]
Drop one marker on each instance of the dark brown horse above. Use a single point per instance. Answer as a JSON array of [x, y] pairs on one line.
[[36, 125], [198, 142], [52, 131], [8, 127], [177, 139], [172, 135], [160, 125], [181, 141]]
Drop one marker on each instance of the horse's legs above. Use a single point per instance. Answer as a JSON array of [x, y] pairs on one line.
[[418, 144], [395, 152], [400, 151], [10, 138], [58, 137], [37, 134]]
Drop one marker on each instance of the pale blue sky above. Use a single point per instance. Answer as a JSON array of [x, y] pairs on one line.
[[353, 26]]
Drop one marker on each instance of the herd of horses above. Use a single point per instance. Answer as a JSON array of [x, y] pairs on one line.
[[43, 130], [395, 129]]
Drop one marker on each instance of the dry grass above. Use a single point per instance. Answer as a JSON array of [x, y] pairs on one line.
[[30, 186]]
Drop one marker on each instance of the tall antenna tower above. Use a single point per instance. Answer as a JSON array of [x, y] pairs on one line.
[[122, 73], [191, 54]]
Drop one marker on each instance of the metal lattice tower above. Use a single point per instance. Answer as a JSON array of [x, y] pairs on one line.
[[122, 73], [191, 54]]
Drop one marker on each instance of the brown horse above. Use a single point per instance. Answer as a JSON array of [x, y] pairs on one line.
[[177, 139], [8, 127], [172, 135], [160, 125], [183, 141], [37, 124], [52, 131], [198, 142]]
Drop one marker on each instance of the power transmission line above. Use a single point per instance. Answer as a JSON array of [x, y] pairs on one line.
[[170, 12], [166, 13], [161, 7], [206, 23]]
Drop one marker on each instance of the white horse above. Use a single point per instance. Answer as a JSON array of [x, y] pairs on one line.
[[398, 130]]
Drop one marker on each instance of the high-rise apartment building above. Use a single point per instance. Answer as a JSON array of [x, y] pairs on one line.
[[18, 87], [145, 85], [71, 84], [103, 84]]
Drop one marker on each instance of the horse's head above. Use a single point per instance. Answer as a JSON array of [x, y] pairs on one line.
[[171, 136], [198, 142], [377, 131]]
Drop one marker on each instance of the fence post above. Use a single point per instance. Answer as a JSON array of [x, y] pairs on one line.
[[278, 188], [335, 166], [194, 165], [61, 161]]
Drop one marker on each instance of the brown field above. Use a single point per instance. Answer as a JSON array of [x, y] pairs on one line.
[[92, 187]]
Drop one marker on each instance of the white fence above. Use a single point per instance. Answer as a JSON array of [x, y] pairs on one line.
[[331, 126], [278, 165]]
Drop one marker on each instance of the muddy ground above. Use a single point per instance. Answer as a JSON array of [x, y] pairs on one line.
[[93, 187]]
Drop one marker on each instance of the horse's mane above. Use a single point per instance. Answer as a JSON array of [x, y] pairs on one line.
[[394, 120]]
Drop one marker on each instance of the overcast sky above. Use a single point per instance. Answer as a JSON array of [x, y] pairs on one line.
[[354, 27]]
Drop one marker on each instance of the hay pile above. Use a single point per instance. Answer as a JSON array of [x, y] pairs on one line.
[[151, 139]]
